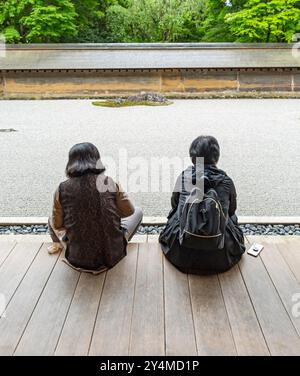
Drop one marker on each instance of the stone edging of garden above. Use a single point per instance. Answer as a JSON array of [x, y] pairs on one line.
[[153, 225]]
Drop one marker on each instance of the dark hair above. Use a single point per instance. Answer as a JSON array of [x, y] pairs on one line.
[[84, 158], [206, 147]]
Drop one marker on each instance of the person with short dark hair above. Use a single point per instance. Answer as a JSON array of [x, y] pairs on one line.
[[92, 218], [201, 258], [206, 147]]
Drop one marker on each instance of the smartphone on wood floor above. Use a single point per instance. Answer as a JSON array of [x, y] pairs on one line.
[[255, 249]]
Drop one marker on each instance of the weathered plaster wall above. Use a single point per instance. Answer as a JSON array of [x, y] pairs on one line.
[[101, 83]]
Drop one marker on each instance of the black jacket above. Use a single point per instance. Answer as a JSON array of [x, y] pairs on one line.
[[203, 262]]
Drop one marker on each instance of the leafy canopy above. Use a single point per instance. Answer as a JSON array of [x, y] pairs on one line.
[[37, 21], [45, 21], [265, 21]]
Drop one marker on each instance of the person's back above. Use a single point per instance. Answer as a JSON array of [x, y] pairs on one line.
[[92, 218], [200, 260], [92, 223]]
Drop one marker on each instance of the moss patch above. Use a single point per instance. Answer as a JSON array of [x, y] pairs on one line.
[[111, 103]]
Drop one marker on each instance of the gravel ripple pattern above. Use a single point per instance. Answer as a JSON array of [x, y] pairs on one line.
[[248, 229]]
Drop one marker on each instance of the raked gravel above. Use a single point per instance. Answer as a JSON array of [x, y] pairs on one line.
[[259, 142], [248, 229]]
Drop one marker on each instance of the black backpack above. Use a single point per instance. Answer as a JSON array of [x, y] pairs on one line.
[[202, 222]]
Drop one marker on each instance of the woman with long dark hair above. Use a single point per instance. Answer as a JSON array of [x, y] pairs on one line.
[[92, 218]]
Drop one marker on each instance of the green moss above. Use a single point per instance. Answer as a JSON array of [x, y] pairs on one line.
[[110, 103]]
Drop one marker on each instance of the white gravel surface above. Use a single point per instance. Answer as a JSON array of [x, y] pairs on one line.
[[260, 146]]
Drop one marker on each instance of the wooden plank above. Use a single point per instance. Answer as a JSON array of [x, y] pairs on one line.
[[179, 324], [213, 332], [247, 241], [278, 330], [284, 280], [245, 327], [15, 266], [5, 248], [78, 329], [291, 253], [26, 238], [139, 238], [153, 238], [112, 329], [147, 331], [44, 328], [24, 300]]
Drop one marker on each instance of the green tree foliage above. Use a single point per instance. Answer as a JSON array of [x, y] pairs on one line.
[[11, 12], [118, 28], [37, 21], [214, 27], [156, 21], [265, 21], [166, 21], [92, 19], [50, 22]]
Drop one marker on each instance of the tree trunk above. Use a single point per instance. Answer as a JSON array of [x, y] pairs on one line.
[[268, 34]]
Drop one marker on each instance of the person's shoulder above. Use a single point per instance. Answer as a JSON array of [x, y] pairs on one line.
[[220, 171], [65, 181], [223, 172], [188, 171], [227, 179], [63, 185]]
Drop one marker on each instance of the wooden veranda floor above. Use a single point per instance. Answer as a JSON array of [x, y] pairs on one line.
[[144, 306]]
